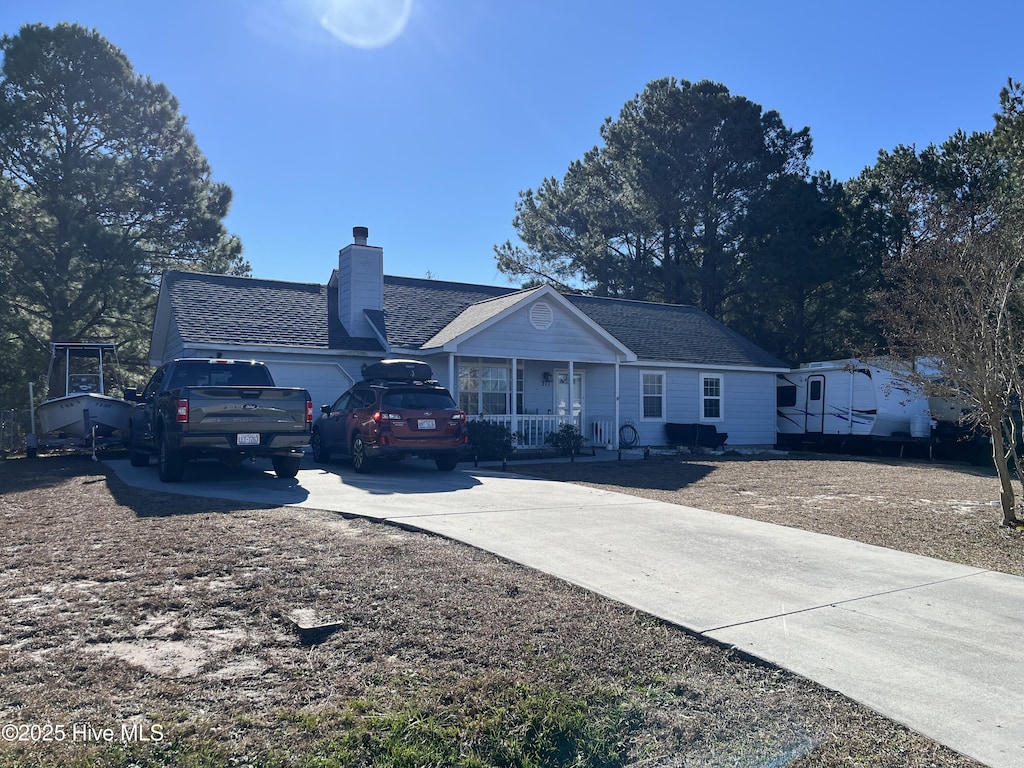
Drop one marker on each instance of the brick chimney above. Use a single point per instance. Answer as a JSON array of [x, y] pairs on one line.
[[360, 283]]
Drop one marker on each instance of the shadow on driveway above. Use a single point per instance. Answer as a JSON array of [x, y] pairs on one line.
[[394, 477], [335, 486]]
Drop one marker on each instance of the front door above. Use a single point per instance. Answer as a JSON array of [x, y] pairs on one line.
[[815, 409], [562, 395]]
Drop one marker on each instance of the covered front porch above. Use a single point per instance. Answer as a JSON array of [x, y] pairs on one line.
[[534, 398], [533, 362]]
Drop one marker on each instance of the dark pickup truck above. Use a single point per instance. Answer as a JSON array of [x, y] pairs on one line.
[[226, 409]]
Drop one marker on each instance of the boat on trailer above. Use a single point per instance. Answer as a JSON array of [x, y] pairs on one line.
[[77, 406]]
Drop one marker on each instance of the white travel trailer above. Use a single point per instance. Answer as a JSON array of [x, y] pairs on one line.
[[844, 401]]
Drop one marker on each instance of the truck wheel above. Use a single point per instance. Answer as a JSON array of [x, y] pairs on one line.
[[170, 463], [446, 463], [139, 457], [321, 455], [360, 461], [286, 467]]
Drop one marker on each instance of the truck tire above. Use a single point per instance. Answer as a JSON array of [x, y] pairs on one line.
[[139, 457], [286, 467], [360, 461], [170, 463], [321, 454]]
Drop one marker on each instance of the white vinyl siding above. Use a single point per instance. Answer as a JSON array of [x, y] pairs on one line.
[[567, 338]]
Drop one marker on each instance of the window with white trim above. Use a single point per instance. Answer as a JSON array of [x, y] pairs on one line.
[[485, 387], [652, 394], [710, 397]]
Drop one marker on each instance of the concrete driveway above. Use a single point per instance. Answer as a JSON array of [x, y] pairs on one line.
[[928, 643]]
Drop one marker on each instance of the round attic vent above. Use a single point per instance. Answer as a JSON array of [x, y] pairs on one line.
[[541, 315]]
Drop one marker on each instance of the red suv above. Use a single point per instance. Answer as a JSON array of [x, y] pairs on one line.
[[385, 417]]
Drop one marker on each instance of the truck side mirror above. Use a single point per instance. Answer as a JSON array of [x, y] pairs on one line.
[[325, 410], [131, 394]]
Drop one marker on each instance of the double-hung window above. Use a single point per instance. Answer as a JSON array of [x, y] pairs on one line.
[[652, 394], [711, 397]]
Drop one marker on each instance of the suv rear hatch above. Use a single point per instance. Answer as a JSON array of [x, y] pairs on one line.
[[422, 414]]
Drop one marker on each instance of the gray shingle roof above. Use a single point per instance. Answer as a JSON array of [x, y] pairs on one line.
[[417, 309], [222, 309], [674, 333], [251, 311]]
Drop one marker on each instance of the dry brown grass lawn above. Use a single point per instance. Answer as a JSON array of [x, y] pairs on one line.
[[171, 614]]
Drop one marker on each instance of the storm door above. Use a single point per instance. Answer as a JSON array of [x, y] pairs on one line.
[[562, 395]]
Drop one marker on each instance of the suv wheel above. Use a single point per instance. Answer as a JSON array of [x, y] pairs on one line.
[[321, 455], [446, 463], [360, 461]]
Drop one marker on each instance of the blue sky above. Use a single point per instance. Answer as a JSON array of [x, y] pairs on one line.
[[424, 120]]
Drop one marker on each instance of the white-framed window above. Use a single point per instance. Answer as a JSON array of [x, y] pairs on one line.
[[485, 387], [711, 395], [652, 395]]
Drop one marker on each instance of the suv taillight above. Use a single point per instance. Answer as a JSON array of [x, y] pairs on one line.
[[459, 417], [181, 411], [380, 416]]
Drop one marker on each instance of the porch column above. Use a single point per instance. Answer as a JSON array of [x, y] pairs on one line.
[[515, 404], [572, 399], [453, 382], [615, 424]]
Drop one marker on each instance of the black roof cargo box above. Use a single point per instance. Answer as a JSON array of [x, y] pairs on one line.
[[397, 370]]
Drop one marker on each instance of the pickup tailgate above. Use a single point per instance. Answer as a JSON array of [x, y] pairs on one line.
[[247, 409]]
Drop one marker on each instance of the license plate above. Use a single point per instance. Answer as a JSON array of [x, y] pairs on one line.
[[427, 424], [248, 438]]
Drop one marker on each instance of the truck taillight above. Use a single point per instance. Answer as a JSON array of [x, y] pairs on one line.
[[309, 411], [181, 411]]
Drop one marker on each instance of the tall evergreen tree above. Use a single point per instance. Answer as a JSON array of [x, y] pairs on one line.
[[658, 212], [104, 187], [805, 281]]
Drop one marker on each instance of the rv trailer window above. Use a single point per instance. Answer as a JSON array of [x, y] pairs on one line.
[[815, 390], [785, 396]]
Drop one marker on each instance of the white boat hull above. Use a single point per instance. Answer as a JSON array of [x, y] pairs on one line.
[[76, 415]]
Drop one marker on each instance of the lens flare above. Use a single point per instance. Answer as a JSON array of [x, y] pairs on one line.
[[366, 23]]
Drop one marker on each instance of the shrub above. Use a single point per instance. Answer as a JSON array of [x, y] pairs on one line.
[[568, 440], [489, 441]]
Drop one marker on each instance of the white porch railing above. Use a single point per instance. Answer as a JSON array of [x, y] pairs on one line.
[[532, 430], [602, 433]]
